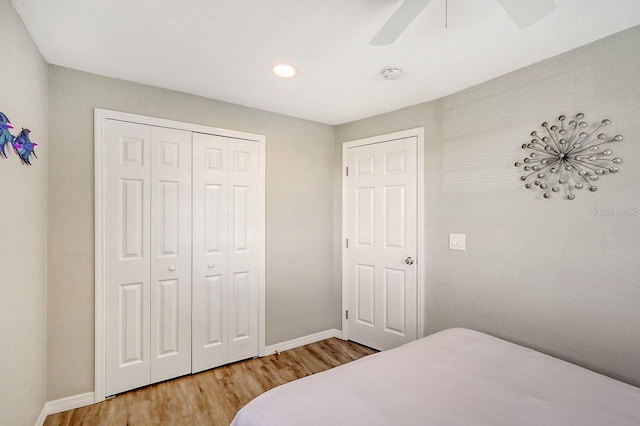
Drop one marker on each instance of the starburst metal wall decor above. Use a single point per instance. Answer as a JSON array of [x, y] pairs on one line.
[[568, 157]]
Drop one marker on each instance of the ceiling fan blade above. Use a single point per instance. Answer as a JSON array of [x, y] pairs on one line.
[[399, 21], [527, 12]]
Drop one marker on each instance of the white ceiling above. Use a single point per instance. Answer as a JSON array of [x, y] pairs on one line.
[[225, 49]]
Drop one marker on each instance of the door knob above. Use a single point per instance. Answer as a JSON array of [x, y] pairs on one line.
[[408, 261], [172, 268], [211, 264]]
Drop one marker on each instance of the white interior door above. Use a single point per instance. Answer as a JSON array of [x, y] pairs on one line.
[[179, 269], [170, 253], [381, 216], [244, 249], [226, 250], [127, 255], [147, 254], [209, 251]]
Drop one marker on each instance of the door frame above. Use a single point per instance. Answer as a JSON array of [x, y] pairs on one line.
[[100, 115], [417, 132]]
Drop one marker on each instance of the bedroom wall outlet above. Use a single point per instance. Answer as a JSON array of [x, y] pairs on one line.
[[457, 241]]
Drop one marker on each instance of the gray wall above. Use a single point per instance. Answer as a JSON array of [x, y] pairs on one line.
[[23, 217], [300, 158], [549, 274]]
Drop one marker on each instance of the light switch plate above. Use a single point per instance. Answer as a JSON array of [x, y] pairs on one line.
[[457, 241]]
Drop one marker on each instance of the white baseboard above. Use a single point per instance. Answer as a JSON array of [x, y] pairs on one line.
[[65, 404], [43, 416], [304, 340]]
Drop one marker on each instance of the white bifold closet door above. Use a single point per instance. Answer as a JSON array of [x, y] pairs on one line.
[[226, 250], [147, 254]]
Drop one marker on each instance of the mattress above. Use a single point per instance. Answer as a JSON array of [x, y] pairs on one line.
[[454, 377]]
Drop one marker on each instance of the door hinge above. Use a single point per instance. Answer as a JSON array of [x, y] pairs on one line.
[[347, 243], [347, 171], [346, 314]]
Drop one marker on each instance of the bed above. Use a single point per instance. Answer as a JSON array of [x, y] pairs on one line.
[[454, 377]]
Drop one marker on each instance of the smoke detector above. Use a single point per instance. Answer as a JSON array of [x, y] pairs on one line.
[[391, 73]]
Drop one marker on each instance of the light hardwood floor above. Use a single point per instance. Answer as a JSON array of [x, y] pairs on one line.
[[212, 397]]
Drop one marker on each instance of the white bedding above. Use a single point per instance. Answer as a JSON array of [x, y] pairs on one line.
[[455, 377]]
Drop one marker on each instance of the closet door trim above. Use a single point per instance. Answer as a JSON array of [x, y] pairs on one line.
[[100, 115]]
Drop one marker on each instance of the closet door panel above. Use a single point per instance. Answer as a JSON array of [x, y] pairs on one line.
[[127, 255], [215, 292], [244, 250], [210, 215], [170, 253]]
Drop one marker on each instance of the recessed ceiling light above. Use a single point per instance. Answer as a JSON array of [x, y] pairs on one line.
[[284, 70]]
